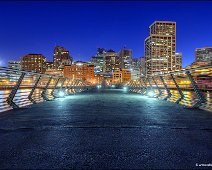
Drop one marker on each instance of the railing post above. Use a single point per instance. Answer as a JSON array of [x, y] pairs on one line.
[[130, 85], [196, 90], [69, 87], [149, 83], [66, 88], [68, 83], [151, 88], [43, 94], [63, 83], [179, 90], [33, 89], [55, 86], [14, 91], [77, 83], [145, 88], [167, 89], [159, 91], [141, 86]]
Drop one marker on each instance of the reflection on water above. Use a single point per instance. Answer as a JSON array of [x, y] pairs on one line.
[[21, 97]]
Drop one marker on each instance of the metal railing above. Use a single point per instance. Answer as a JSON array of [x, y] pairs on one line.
[[191, 87], [21, 88]]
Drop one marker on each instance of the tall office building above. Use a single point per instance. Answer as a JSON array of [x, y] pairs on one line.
[[160, 48], [203, 54], [178, 63], [61, 57], [126, 58], [33, 62], [143, 65], [136, 69], [98, 60], [136, 64], [111, 61]]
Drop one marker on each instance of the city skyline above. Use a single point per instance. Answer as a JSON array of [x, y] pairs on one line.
[[74, 26]]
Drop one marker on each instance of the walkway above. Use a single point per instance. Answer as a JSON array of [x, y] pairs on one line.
[[105, 129]]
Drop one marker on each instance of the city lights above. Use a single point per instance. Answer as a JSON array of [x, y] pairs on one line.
[[125, 88], [79, 64], [151, 93], [61, 94], [98, 86]]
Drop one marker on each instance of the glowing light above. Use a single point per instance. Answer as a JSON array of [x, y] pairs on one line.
[[113, 86], [61, 94], [98, 86], [151, 94], [125, 88], [79, 64]]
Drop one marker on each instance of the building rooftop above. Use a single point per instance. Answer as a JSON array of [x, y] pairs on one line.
[[162, 22]]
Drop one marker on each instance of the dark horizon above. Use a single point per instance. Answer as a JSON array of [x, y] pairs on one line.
[[82, 27]]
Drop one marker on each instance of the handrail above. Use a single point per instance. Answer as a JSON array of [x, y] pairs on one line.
[[169, 81], [30, 72], [182, 71], [39, 87]]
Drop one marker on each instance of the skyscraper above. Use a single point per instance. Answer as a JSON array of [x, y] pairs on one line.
[[126, 58], [111, 62], [178, 61], [61, 57], [143, 67], [98, 60], [136, 68], [160, 47], [203, 54]]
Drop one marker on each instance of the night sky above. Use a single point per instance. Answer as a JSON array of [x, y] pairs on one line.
[[81, 27]]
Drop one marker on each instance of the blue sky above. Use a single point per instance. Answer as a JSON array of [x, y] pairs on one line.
[[81, 27]]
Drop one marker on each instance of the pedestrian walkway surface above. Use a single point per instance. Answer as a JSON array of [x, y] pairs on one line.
[[105, 129]]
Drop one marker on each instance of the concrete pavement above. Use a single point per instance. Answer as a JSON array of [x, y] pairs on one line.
[[105, 129]]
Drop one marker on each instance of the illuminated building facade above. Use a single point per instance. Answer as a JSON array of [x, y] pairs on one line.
[[143, 65], [178, 63], [111, 62], [49, 65], [98, 78], [126, 75], [121, 76], [98, 60], [14, 64], [125, 58], [80, 70], [33, 62], [203, 54], [160, 48], [54, 72], [117, 77], [61, 58]]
